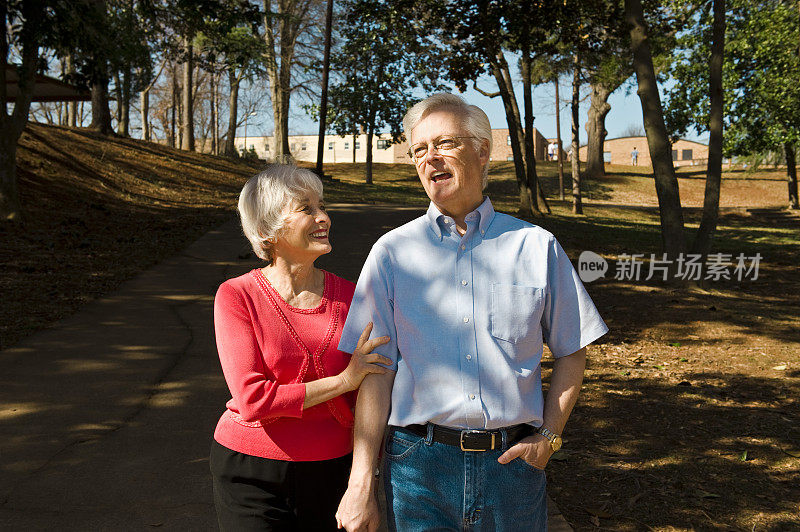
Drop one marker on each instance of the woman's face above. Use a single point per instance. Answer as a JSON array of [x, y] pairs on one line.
[[304, 235]]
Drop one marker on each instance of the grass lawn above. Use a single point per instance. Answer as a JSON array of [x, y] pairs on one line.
[[689, 417]]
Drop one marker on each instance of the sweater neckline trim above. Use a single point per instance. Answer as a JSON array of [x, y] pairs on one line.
[[262, 280]]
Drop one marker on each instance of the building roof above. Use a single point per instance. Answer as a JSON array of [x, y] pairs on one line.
[[644, 139], [46, 89]]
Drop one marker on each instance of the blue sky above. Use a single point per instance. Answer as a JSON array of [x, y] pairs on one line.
[[626, 111]]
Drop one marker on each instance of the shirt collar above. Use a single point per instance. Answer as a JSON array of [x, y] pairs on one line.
[[485, 213]]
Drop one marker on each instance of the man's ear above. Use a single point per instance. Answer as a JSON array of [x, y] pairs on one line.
[[483, 152]]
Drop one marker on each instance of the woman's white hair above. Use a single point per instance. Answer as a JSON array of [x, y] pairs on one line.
[[263, 199], [475, 120]]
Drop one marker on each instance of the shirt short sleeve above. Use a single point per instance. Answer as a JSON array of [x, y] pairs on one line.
[[373, 301], [570, 320]]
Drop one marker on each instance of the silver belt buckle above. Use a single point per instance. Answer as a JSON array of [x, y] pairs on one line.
[[463, 432]]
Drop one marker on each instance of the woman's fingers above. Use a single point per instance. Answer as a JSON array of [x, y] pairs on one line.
[[365, 335], [375, 358], [370, 346]]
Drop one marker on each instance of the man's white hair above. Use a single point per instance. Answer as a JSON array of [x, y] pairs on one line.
[[262, 202], [475, 120]]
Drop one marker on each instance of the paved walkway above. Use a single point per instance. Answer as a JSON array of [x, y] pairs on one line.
[[106, 417]]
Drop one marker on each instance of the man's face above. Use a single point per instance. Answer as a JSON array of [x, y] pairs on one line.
[[452, 178]]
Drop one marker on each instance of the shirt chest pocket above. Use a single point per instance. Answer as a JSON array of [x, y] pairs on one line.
[[516, 312]]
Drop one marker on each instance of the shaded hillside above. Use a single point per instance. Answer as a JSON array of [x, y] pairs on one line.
[[107, 208]]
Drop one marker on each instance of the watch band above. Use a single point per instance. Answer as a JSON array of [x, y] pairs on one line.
[[553, 438]]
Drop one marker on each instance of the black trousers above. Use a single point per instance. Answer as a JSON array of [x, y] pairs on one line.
[[252, 493]]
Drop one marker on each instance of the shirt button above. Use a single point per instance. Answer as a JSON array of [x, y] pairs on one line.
[[469, 357], [483, 232], [463, 247], [472, 396], [466, 319], [463, 282]]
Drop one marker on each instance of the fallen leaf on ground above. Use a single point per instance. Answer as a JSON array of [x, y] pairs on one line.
[[743, 456], [635, 498], [599, 512], [560, 456], [780, 368], [793, 453], [703, 494]]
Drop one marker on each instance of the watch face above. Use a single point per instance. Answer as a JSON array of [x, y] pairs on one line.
[[556, 443]]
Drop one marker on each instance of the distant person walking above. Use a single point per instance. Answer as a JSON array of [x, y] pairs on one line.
[[281, 453], [635, 157], [551, 151]]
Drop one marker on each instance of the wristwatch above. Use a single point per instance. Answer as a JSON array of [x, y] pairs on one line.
[[555, 439]]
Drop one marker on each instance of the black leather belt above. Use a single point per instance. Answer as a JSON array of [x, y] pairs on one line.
[[473, 440]]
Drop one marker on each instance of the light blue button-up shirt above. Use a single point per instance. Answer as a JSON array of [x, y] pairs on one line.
[[468, 316]]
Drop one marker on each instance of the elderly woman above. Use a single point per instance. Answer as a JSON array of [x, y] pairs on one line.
[[281, 452]]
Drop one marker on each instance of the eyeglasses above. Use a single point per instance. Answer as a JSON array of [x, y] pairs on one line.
[[418, 152]]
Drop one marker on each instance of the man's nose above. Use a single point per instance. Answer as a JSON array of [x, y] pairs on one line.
[[432, 154]]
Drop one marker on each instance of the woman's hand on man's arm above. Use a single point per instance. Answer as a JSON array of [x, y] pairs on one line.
[[362, 363]]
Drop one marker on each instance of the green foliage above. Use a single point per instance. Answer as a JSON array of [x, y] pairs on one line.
[[231, 44], [383, 63], [760, 72]]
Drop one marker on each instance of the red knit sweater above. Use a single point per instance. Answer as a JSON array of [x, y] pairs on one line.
[[268, 349]]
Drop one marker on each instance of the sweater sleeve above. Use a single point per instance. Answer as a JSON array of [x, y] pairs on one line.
[[255, 396]]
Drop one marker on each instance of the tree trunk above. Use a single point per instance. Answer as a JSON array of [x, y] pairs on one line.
[[505, 86], [791, 174], [560, 150], [323, 113], [118, 97], [280, 113], [577, 203], [355, 137], [530, 158], [173, 108], [672, 232], [278, 64], [124, 104], [708, 222], [214, 115], [187, 123], [233, 113], [101, 114], [11, 127], [596, 130], [370, 133], [144, 104], [72, 107]]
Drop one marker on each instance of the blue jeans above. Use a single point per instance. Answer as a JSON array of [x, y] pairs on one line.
[[434, 486]]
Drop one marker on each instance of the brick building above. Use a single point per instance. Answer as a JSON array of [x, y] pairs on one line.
[[340, 149], [618, 151]]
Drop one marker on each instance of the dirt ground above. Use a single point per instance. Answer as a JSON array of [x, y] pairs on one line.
[[689, 417]]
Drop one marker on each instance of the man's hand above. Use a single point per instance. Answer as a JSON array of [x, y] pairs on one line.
[[358, 511], [535, 450]]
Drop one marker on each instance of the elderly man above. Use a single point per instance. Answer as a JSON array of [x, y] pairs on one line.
[[467, 297]]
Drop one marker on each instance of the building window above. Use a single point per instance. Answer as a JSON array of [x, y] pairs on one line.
[[383, 144], [510, 158], [346, 145], [266, 147], [330, 145], [358, 144], [303, 146], [606, 156], [686, 155], [252, 146], [674, 155], [508, 141]]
